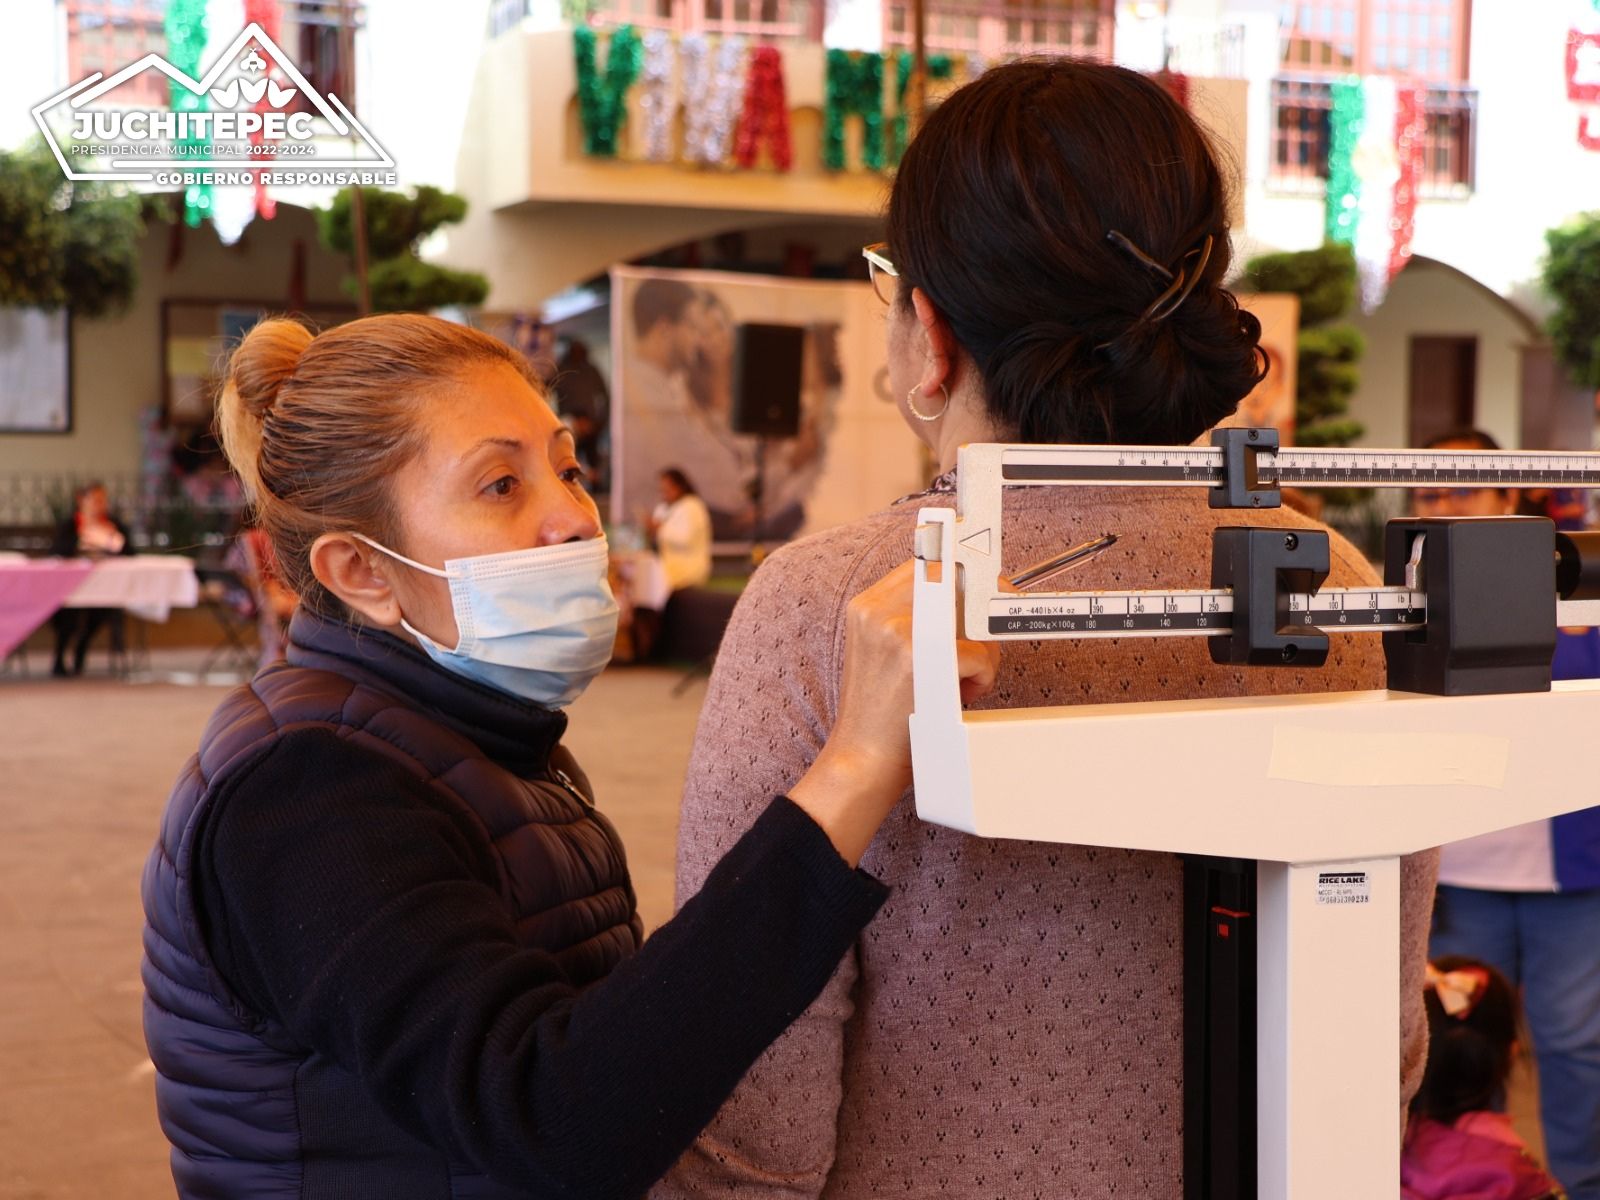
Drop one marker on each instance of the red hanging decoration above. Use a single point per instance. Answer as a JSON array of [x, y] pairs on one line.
[[766, 112], [1583, 82], [265, 14], [1177, 85], [1583, 67], [1588, 131], [1410, 128]]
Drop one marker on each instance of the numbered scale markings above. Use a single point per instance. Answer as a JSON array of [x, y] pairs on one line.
[[1197, 613], [1201, 466]]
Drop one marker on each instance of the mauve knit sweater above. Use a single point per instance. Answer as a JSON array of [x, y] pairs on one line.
[[1010, 1024]]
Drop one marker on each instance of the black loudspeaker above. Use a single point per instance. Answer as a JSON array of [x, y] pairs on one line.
[[766, 379]]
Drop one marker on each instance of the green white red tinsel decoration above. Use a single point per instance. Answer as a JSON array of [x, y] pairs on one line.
[[1375, 164], [186, 42]]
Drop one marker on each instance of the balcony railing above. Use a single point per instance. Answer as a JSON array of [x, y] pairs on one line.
[[1210, 53], [1300, 109], [746, 18], [990, 29], [994, 29]]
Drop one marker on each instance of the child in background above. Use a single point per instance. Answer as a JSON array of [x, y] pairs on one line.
[[1458, 1146]]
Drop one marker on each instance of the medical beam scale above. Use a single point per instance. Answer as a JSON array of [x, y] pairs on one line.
[[1292, 838]]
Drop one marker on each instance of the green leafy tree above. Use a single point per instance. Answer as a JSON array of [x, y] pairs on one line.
[[1325, 281], [399, 281], [65, 243], [1572, 277]]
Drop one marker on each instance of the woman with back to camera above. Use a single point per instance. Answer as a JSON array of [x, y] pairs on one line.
[[391, 946], [1011, 1023]]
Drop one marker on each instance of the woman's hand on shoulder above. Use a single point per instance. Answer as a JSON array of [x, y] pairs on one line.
[[865, 766]]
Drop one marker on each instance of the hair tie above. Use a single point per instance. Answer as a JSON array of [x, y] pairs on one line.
[[1459, 991]]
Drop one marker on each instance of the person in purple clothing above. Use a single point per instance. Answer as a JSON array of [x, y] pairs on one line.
[[1458, 1146], [1526, 900]]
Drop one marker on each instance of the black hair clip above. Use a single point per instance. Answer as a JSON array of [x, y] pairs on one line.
[[1124, 243], [1179, 285]]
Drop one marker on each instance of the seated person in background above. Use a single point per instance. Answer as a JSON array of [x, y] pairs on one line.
[[1458, 1145], [680, 528], [1526, 900], [89, 532]]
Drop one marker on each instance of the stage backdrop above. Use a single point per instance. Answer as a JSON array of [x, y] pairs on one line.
[[672, 338]]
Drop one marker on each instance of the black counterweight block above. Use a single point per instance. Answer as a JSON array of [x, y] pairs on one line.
[[1490, 584]]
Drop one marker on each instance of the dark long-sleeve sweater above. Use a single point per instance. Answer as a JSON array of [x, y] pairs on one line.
[[343, 900]]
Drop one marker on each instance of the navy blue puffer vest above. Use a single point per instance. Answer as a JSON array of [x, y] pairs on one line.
[[248, 1111]]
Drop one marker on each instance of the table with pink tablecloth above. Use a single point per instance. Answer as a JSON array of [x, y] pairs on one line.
[[149, 586]]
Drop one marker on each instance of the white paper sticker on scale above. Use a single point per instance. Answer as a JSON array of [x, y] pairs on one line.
[[1343, 887]]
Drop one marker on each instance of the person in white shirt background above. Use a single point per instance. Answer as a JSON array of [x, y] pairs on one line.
[[1526, 900], [680, 532], [681, 529]]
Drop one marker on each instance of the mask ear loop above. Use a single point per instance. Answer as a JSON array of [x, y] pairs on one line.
[[410, 562], [406, 625]]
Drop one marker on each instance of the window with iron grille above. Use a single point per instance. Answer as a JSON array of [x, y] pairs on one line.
[[312, 33], [107, 35], [996, 28], [1300, 109], [1424, 41]]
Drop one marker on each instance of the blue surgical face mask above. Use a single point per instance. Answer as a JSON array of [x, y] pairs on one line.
[[537, 623]]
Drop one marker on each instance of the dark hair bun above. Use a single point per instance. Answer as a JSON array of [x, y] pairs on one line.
[[1000, 213], [1170, 380]]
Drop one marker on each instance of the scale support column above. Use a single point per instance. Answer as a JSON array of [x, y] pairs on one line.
[[1328, 1032]]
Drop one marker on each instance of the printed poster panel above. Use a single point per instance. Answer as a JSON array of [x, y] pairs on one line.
[[1271, 404], [672, 353]]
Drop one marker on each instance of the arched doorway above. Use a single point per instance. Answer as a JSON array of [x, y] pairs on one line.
[[1446, 351]]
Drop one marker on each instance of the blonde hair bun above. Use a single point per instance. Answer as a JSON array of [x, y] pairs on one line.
[[257, 370]]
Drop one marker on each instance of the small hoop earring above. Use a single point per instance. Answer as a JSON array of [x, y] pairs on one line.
[[911, 403]]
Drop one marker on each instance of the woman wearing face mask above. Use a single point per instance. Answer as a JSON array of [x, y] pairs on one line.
[[391, 946]]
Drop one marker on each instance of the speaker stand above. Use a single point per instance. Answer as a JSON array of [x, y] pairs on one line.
[[758, 489]]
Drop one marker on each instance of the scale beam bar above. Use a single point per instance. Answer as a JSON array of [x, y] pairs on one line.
[[1209, 612], [1203, 466]]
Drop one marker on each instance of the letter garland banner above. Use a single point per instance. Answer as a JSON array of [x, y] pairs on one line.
[[186, 42], [657, 99], [940, 66], [713, 88], [766, 112], [602, 101], [854, 88]]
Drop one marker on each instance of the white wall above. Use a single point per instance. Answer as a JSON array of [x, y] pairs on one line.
[[416, 63], [33, 65]]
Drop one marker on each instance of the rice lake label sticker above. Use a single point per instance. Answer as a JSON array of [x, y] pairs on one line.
[[1343, 887]]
